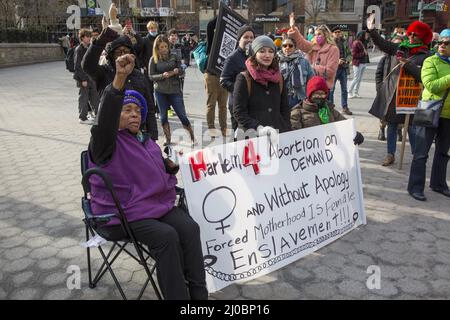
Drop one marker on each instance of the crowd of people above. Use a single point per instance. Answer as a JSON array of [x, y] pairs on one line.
[[268, 90]]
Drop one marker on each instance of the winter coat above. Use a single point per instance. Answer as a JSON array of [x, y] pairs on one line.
[[288, 64], [306, 115], [436, 81], [388, 89], [137, 169], [344, 53], [265, 107], [103, 75], [324, 60], [79, 74], [384, 67], [359, 53], [233, 65], [170, 85]]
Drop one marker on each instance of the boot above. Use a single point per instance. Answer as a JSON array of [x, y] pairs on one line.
[[400, 134], [347, 111], [224, 132], [388, 160], [191, 134], [381, 135], [166, 129]]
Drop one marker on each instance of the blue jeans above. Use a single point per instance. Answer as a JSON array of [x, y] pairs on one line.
[[164, 101], [341, 76], [391, 137], [424, 140], [358, 72]]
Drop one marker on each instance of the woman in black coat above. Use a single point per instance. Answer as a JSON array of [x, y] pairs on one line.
[[260, 98], [408, 54], [103, 75]]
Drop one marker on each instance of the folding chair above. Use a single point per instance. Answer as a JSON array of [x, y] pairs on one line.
[[92, 222]]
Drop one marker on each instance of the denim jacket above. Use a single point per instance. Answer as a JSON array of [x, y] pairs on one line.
[[287, 65]]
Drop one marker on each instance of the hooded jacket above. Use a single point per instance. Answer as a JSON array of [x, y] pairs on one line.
[[104, 75], [306, 115], [436, 81]]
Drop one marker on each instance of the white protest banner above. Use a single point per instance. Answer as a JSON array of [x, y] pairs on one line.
[[255, 219]]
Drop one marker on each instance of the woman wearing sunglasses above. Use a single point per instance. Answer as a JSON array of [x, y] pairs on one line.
[[296, 71], [410, 55], [436, 82], [322, 52]]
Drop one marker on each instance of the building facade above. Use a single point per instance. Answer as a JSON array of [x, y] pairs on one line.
[[348, 14], [400, 13]]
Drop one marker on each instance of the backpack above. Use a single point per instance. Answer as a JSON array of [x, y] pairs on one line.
[[248, 78], [70, 60], [200, 56]]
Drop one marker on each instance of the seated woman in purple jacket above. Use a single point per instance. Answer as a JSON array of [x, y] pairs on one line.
[[145, 185]]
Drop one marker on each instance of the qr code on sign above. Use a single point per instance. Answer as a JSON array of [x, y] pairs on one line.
[[227, 46]]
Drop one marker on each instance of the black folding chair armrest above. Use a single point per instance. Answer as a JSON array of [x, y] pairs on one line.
[[103, 217], [107, 181]]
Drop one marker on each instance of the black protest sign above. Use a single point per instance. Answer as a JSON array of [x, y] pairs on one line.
[[225, 38]]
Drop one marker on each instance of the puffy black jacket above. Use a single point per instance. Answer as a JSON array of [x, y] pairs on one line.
[[104, 75]]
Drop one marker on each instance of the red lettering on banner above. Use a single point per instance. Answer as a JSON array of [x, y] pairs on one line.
[[196, 167], [251, 157]]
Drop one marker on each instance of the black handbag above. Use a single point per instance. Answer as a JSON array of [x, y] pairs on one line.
[[428, 112]]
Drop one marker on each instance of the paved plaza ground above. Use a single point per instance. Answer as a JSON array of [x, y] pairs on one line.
[[40, 215]]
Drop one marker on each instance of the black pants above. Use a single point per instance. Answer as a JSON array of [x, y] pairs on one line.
[[174, 242], [424, 140], [87, 96], [234, 123]]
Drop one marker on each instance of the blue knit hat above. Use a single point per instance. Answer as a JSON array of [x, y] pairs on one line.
[[445, 33], [132, 96]]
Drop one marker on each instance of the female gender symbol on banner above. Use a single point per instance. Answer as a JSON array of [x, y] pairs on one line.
[[216, 206]]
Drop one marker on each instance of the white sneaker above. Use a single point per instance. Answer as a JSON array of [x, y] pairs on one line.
[[87, 121], [357, 96], [351, 96]]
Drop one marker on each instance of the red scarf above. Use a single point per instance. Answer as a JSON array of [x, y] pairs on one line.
[[263, 76], [414, 51]]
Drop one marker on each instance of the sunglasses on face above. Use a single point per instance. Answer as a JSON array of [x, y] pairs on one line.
[[445, 43], [288, 45]]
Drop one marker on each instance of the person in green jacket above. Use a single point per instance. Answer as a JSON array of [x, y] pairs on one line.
[[436, 81]]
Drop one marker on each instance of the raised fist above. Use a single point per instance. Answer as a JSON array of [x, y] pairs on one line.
[[125, 64]]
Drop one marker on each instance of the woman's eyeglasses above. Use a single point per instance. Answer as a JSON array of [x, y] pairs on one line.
[[288, 45], [445, 43]]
